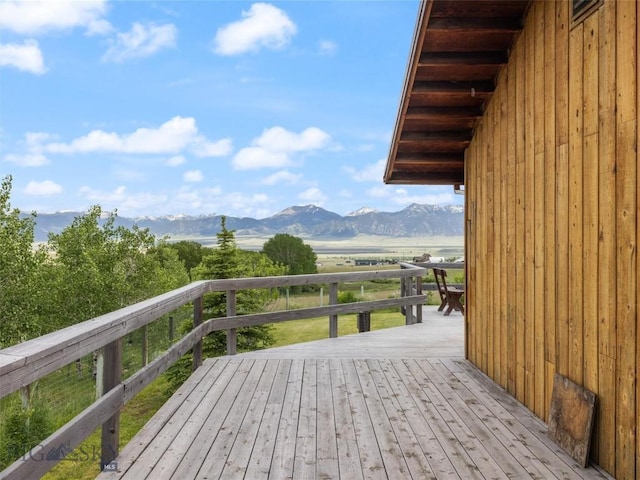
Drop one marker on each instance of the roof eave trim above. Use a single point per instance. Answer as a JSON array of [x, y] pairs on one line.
[[420, 30]]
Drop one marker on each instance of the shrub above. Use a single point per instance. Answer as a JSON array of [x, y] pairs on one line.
[[347, 297], [22, 430]]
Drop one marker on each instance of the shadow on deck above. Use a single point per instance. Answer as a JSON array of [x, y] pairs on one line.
[[395, 403]]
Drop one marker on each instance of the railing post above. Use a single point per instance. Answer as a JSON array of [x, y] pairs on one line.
[[364, 322], [232, 335], [419, 305], [112, 376], [333, 319], [197, 321], [403, 293], [409, 318]]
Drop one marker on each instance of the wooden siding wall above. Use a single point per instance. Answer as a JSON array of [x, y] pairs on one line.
[[552, 226]]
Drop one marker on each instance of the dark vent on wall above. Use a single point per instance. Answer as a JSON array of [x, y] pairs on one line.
[[581, 9]]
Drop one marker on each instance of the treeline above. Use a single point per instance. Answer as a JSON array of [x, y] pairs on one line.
[[93, 267]]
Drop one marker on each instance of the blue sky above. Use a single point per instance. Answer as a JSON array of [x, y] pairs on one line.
[[203, 107]]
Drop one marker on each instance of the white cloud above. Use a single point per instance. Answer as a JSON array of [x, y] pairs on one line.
[[188, 198], [26, 56], [42, 188], [37, 17], [279, 139], [252, 158], [370, 173], [127, 204], [36, 139], [128, 174], [172, 137], [116, 196], [141, 41], [27, 159], [33, 155], [385, 191], [213, 199], [204, 200], [193, 176], [141, 203], [427, 195], [275, 146], [95, 141], [204, 148], [313, 195], [243, 204], [327, 47], [283, 176], [175, 161], [262, 26]]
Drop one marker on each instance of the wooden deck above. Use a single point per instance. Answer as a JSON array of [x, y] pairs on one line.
[[397, 403]]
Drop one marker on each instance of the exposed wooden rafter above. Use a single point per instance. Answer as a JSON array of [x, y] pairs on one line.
[[458, 50]]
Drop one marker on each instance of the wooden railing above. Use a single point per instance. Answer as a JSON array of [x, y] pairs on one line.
[[26, 363]]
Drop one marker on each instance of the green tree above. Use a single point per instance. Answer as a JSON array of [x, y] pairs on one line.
[[224, 262], [23, 274], [168, 268], [101, 267], [24, 282], [190, 253], [228, 261], [292, 252]]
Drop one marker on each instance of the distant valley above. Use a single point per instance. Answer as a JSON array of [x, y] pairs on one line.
[[307, 222]]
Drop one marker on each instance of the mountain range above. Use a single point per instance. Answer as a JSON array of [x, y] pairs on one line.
[[307, 221]]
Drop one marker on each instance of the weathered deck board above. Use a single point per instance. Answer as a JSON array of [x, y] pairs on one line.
[[340, 413]]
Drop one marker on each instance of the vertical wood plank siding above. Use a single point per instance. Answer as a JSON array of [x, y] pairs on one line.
[[552, 205]]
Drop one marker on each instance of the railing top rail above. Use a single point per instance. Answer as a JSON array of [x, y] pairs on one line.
[[407, 270], [40, 356], [147, 309]]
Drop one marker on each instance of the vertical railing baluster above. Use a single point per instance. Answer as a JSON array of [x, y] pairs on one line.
[[145, 345], [232, 334], [99, 373], [112, 376], [25, 397], [197, 321], [333, 319], [172, 328]]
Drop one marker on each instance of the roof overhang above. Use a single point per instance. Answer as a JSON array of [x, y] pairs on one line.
[[459, 47]]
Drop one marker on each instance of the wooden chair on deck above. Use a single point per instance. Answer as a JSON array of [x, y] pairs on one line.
[[450, 296]]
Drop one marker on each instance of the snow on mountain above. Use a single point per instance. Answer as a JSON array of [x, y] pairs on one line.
[[361, 211], [307, 221]]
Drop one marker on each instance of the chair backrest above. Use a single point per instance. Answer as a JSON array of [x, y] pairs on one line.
[[440, 275]]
